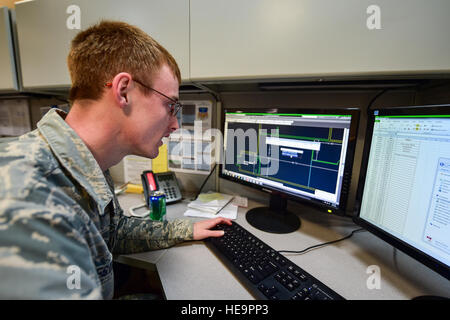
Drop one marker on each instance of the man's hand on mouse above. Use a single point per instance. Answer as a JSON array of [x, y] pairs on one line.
[[202, 228]]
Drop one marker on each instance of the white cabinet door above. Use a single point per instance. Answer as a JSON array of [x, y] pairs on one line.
[[8, 74], [261, 39], [46, 27]]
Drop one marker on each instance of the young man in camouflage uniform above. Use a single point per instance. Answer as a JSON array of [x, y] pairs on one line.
[[57, 205]]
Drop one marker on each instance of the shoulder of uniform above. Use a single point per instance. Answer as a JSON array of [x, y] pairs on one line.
[[24, 161]]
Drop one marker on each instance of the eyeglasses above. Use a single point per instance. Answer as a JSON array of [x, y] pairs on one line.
[[174, 105]]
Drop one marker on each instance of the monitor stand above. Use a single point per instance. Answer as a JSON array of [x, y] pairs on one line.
[[275, 218]]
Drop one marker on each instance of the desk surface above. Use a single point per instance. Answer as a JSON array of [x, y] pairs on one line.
[[192, 271]]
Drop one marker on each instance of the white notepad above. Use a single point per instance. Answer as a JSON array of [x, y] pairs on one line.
[[211, 205]]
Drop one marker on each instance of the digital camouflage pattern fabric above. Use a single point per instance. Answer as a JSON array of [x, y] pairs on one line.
[[58, 213]]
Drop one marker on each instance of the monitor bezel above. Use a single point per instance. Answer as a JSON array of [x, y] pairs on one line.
[[413, 252], [354, 126]]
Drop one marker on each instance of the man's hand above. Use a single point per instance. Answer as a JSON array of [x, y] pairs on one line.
[[202, 228]]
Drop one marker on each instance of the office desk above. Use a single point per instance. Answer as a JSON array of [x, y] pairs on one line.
[[190, 271]]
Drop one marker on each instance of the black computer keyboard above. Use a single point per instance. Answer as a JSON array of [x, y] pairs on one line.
[[263, 271]]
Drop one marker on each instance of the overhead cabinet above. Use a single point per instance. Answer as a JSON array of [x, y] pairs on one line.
[[215, 40], [266, 39], [46, 27], [8, 72]]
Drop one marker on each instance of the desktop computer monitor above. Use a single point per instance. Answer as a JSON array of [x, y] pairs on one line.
[[299, 154], [404, 189]]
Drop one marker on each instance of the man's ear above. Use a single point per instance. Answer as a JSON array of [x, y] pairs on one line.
[[121, 86]]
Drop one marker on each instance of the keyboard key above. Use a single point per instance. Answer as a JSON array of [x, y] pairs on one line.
[[262, 287], [290, 286], [254, 278]]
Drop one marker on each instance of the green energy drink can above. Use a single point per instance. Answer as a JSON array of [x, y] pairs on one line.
[[158, 205]]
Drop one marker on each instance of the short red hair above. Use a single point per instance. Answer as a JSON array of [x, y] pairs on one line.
[[100, 52]]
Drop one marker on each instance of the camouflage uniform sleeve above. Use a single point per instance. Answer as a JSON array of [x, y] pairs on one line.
[[138, 235], [42, 256]]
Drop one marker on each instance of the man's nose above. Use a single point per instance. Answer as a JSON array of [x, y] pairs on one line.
[[174, 124]]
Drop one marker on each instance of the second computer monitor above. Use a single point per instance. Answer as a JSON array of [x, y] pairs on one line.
[[301, 154], [404, 190]]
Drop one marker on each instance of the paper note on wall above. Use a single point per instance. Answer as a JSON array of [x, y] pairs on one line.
[[133, 167], [160, 163], [14, 117]]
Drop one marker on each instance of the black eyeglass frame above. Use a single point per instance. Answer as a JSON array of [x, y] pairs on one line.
[[174, 107]]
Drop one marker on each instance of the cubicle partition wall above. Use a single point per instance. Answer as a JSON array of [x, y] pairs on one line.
[[9, 75], [46, 28]]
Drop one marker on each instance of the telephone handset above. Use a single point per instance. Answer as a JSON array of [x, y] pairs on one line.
[[164, 181]]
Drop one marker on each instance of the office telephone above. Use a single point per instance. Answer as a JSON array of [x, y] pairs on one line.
[[164, 181]]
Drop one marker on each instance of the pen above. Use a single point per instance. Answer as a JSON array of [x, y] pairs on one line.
[[225, 205]]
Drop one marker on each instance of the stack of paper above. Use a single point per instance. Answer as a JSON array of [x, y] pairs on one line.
[[211, 205]]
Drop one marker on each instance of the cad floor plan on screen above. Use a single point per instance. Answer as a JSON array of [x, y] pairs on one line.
[[301, 155]]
